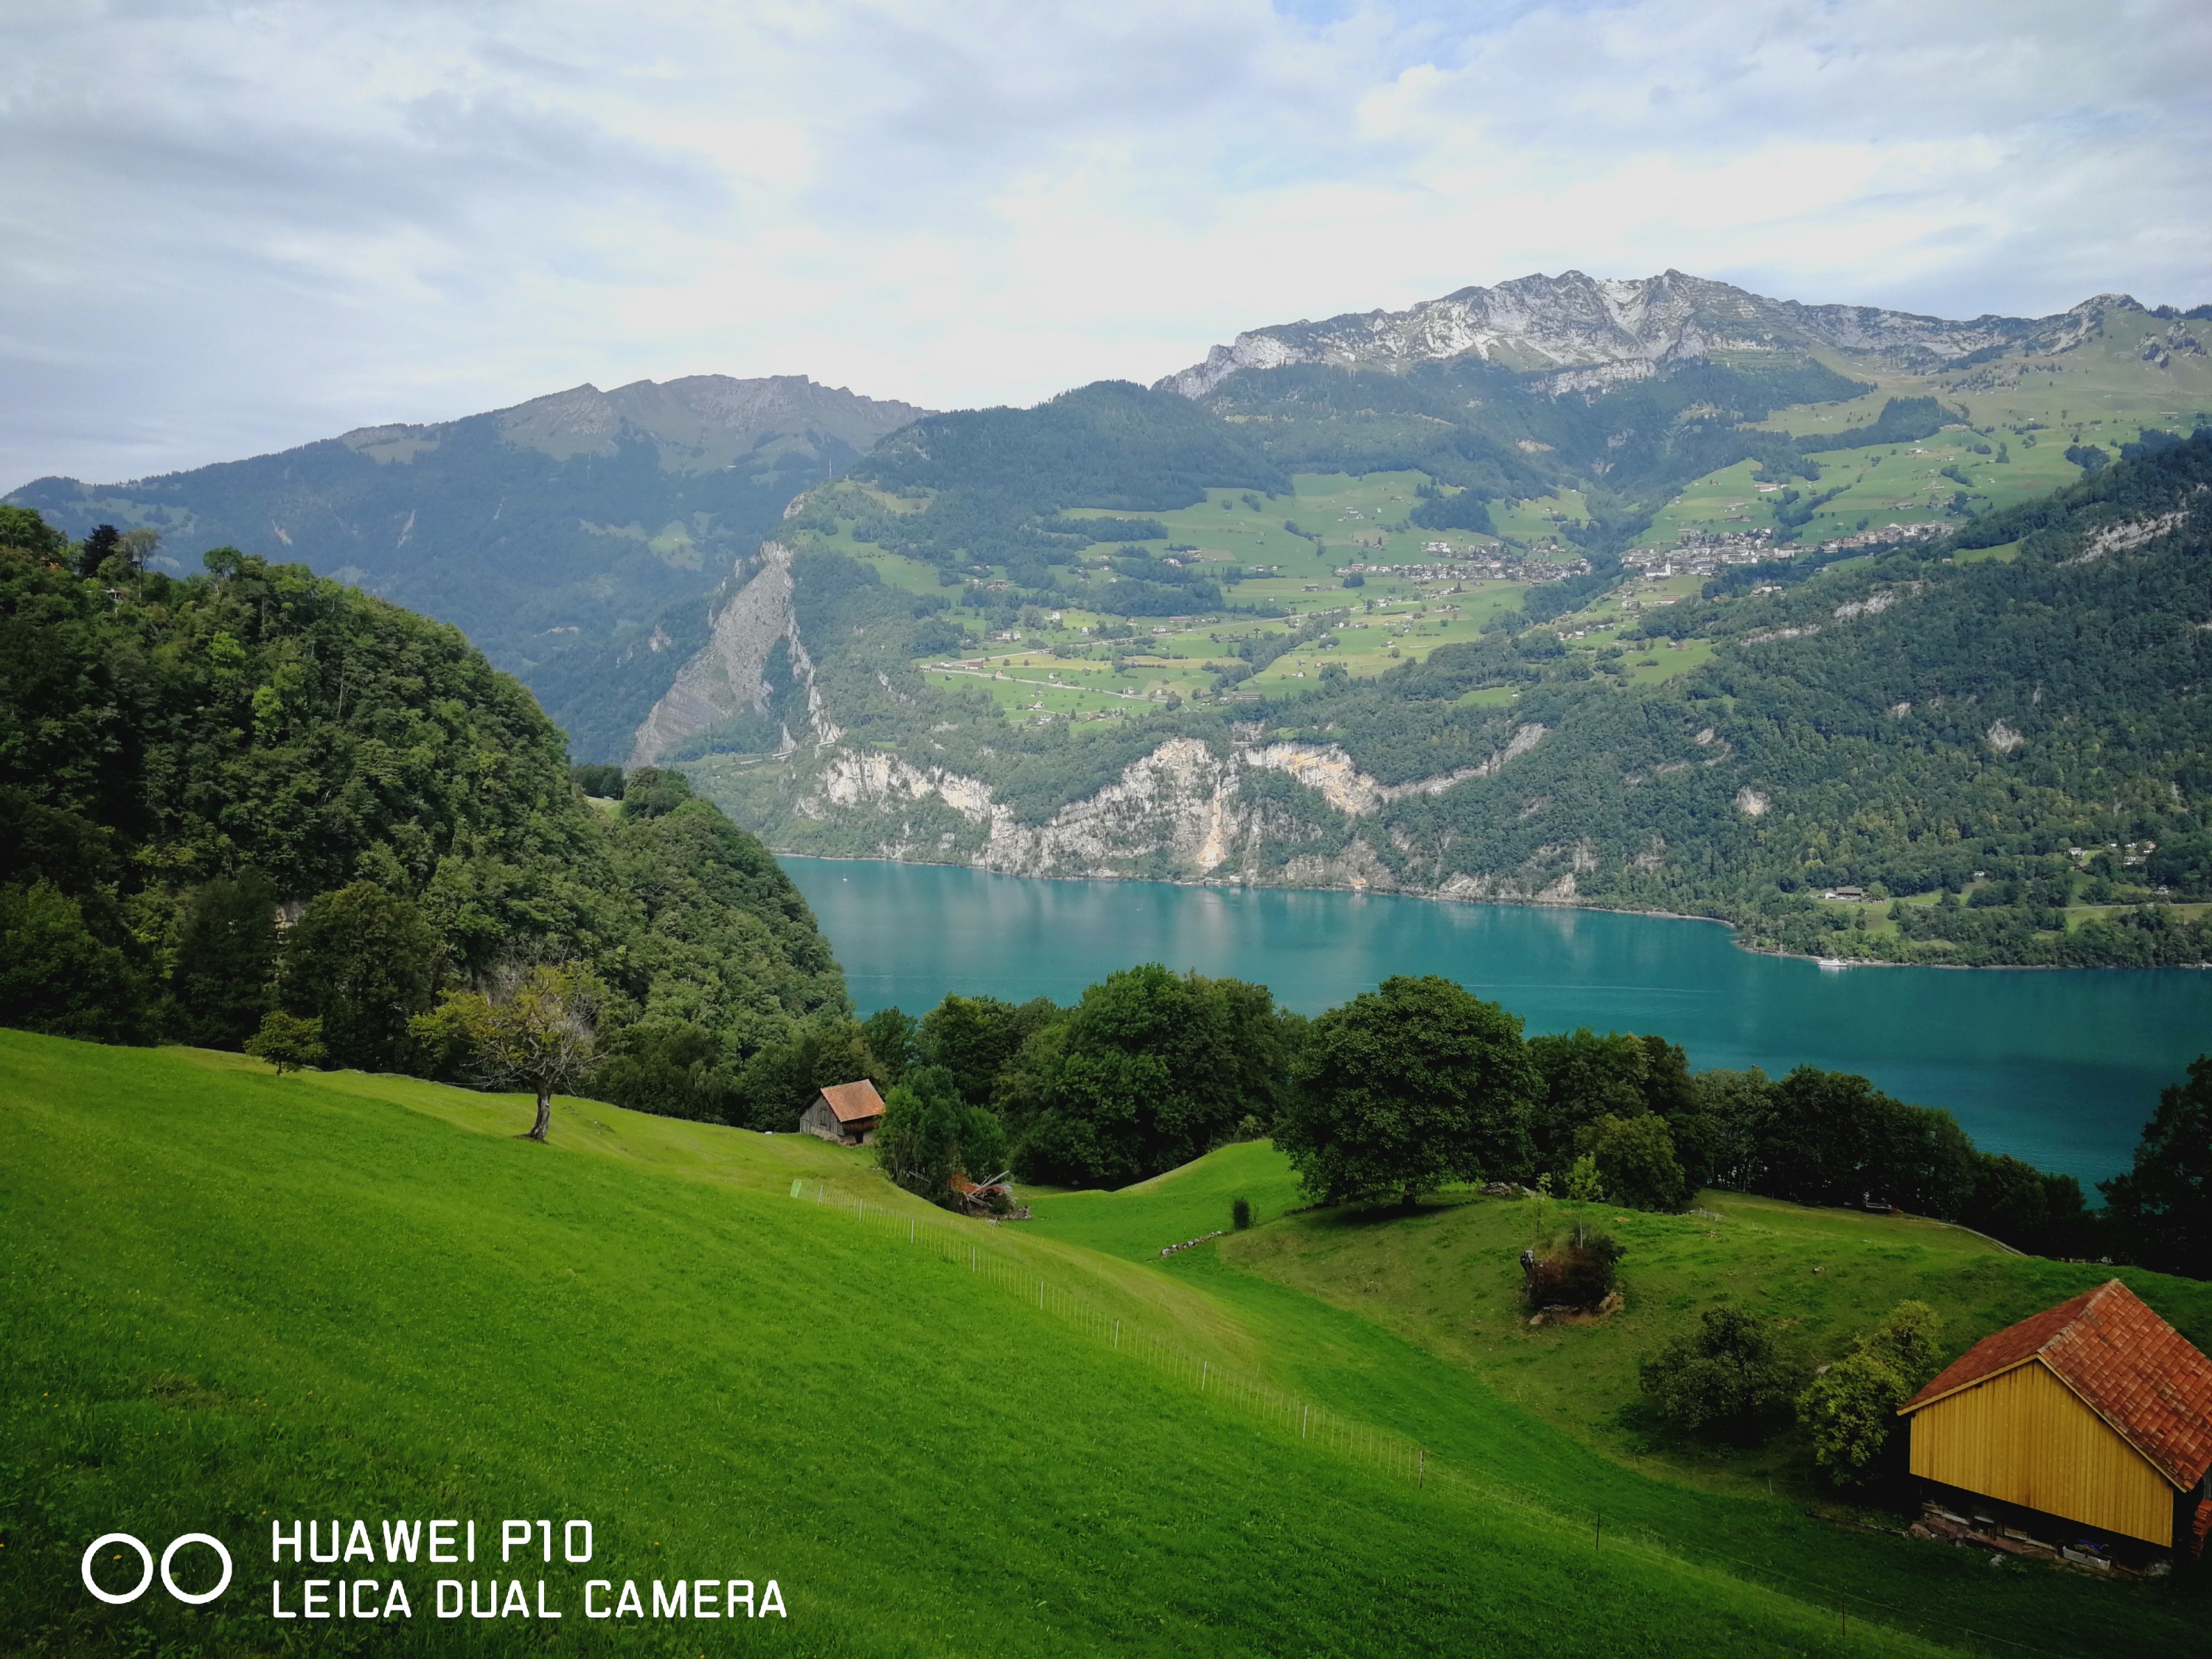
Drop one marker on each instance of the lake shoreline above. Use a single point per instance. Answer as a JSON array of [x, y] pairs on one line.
[[2058, 1069], [1437, 896]]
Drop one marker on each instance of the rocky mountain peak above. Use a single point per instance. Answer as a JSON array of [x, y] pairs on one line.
[[1583, 332]]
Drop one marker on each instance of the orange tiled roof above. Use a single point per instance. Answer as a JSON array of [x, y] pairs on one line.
[[2132, 1369], [854, 1103]]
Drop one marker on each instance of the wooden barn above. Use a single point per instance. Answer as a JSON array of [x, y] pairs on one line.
[[2096, 1413], [846, 1113]]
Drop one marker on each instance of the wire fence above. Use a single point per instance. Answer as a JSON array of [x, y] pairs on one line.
[[1864, 1620]]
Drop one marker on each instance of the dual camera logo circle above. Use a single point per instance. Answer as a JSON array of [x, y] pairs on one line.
[[191, 1598]]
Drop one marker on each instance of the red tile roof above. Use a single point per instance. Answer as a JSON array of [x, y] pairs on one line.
[[2129, 1366], [854, 1103]]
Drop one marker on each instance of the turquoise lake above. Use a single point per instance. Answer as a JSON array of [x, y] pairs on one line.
[[2061, 1068]]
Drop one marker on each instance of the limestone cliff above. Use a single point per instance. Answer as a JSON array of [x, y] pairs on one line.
[[1179, 812]]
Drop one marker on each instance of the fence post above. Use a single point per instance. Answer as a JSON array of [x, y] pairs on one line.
[[1421, 1466], [1117, 1335]]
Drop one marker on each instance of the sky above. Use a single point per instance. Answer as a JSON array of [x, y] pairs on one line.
[[227, 229]]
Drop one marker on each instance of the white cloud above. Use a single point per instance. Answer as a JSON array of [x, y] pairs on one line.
[[226, 228]]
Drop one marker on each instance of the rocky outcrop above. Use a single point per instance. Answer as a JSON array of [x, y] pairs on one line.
[[1329, 770], [1177, 811], [1876, 602], [2127, 535], [1585, 334]]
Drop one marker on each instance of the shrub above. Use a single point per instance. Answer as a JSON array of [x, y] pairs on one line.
[[1579, 1271], [1240, 1214], [1851, 1405], [1727, 1376]]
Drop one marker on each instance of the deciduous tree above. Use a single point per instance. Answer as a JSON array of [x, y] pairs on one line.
[[537, 1028], [364, 962], [1851, 1407], [2160, 1210], [1406, 1088], [287, 1042], [928, 1133], [225, 967], [1728, 1375]]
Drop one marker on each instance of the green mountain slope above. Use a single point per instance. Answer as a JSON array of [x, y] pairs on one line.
[[232, 1299], [2005, 715], [555, 534]]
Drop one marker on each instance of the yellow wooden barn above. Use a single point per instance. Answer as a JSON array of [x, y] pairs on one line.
[[2096, 1411]]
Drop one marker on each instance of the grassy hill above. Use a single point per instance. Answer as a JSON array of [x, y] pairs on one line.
[[1447, 1279], [230, 1297]]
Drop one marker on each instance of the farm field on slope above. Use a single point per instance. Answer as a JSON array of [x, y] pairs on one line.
[[231, 1297], [1063, 668], [1411, 1322]]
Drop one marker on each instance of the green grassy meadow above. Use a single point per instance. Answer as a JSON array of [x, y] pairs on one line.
[[1414, 1321], [231, 1299]]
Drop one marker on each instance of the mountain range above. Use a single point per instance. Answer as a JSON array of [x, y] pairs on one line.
[[1207, 630]]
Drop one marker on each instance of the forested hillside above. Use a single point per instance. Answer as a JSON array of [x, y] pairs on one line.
[[967, 492], [257, 789]]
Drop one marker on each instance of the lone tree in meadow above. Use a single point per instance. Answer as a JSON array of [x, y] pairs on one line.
[[1406, 1088], [536, 1030], [1728, 1375], [287, 1042]]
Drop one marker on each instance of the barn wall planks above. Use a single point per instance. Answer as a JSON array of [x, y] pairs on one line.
[[2024, 1436]]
